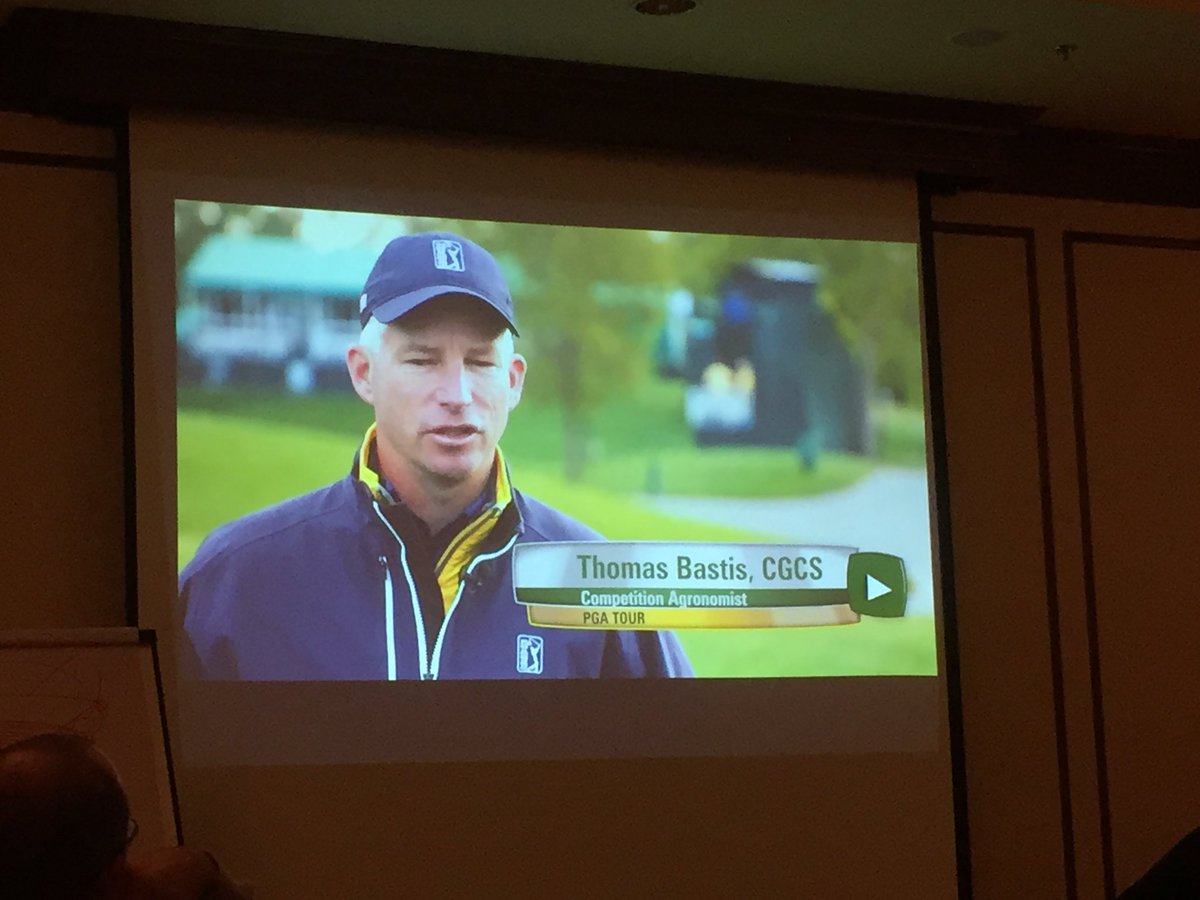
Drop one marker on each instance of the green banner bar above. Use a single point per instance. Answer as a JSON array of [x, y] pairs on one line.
[[681, 598]]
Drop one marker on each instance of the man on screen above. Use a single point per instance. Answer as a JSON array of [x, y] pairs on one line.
[[403, 569]]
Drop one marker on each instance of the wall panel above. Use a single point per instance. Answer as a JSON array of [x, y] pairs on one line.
[[1137, 320], [38, 135], [1118, 316], [63, 525], [1005, 627]]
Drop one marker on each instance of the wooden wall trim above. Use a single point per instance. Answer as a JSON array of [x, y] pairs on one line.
[[96, 67]]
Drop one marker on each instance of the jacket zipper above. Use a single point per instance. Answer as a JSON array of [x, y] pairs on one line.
[[389, 612], [436, 662], [426, 670]]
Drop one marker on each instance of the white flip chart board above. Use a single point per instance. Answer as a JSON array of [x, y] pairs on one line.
[[103, 683]]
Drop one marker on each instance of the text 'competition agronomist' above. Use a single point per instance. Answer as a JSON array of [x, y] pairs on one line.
[[403, 569]]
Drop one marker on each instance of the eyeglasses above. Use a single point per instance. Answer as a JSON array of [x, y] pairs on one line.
[[131, 832]]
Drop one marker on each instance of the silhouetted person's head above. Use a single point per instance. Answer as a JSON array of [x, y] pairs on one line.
[[64, 818]]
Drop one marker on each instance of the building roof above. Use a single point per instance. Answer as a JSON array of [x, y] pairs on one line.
[[283, 265]]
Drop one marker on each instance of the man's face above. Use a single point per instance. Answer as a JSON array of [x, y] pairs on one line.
[[442, 385]]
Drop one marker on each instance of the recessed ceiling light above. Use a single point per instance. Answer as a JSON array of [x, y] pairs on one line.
[[664, 7], [979, 37]]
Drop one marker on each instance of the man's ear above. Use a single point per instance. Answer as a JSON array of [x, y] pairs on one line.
[[358, 364], [516, 380]]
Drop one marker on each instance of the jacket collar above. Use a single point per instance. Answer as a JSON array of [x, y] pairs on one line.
[[363, 472]]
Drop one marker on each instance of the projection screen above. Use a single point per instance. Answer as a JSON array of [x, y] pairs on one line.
[[544, 454]]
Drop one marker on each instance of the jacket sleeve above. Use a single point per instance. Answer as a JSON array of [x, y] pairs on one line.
[[204, 652], [644, 654]]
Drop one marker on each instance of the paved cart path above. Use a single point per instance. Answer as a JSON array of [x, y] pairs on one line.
[[885, 511]]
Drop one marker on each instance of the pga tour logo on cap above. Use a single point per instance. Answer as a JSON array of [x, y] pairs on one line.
[[448, 255], [415, 268]]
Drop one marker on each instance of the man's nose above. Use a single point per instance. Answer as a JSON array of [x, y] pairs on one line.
[[455, 387]]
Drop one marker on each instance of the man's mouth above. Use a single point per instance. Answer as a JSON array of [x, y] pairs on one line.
[[453, 434]]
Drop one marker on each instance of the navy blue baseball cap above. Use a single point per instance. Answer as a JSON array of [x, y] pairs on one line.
[[416, 268]]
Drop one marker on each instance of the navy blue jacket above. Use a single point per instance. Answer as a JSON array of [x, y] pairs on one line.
[[318, 587]]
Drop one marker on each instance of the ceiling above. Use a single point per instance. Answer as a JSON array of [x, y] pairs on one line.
[[1134, 66]]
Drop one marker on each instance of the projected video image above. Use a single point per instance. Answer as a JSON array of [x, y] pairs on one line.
[[418, 448]]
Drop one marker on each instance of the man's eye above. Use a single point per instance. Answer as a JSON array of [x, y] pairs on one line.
[[482, 362], [419, 361]]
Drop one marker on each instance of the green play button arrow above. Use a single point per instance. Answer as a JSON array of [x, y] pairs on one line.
[[876, 584], [876, 588]]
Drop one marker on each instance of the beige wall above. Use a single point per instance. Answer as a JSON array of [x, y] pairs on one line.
[[1049, 633], [1117, 707], [999, 561], [62, 554]]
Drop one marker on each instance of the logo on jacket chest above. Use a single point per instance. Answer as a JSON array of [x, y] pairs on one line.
[[530, 654]]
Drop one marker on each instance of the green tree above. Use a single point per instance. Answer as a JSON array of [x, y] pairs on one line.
[[870, 288]]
